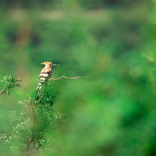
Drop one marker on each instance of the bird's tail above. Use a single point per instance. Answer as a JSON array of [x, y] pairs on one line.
[[42, 81], [38, 91]]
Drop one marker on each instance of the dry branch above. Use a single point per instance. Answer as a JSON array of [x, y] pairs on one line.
[[1, 91], [77, 77]]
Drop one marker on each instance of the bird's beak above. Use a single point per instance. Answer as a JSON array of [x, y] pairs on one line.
[[56, 65], [43, 63]]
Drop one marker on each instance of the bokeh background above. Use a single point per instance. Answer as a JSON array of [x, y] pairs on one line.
[[113, 42]]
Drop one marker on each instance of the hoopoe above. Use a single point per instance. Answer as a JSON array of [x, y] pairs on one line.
[[45, 75]]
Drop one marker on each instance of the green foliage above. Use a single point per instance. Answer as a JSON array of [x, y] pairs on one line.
[[7, 83], [30, 125]]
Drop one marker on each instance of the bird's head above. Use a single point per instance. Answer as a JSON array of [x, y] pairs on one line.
[[49, 64]]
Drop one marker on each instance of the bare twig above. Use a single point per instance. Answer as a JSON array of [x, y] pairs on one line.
[[77, 77], [18, 85], [1, 91], [18, 80]]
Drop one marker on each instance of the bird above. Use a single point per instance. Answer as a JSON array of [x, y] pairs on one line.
[[44, 76]]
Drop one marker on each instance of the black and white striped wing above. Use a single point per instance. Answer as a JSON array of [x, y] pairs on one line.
[[43, 79]]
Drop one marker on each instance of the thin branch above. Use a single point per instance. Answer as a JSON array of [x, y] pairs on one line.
[[77, 77], [1, 91], [18, 84], [18, 80]]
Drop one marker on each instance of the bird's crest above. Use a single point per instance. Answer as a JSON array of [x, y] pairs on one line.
[[50, 64], [47, 64]]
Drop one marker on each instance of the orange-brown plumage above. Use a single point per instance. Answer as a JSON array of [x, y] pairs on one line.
[[47, 69]]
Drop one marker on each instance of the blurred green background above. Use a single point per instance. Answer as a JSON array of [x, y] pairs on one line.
[[113, 111]]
